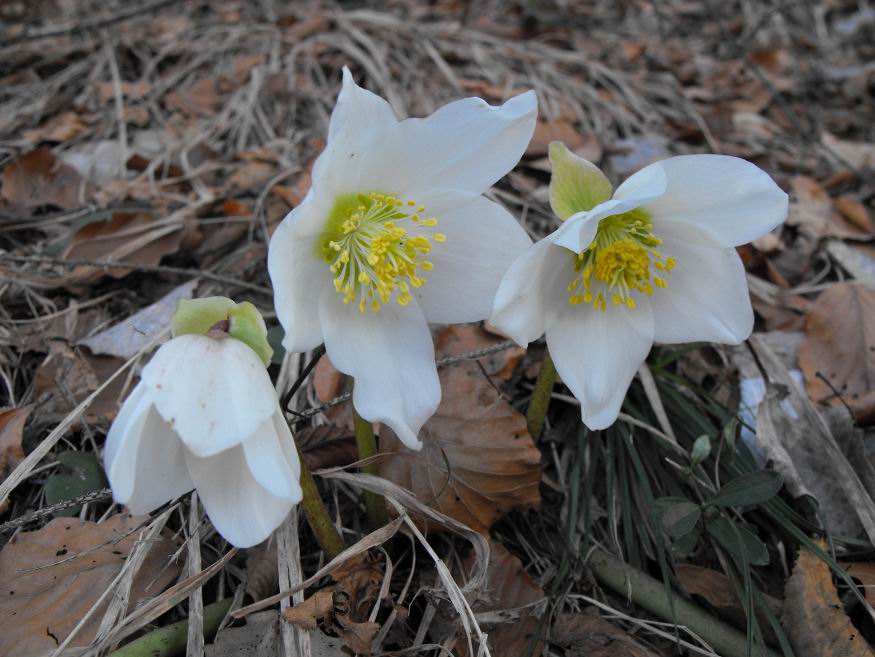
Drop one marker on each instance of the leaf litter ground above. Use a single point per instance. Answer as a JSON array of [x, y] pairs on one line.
[[146, 154]]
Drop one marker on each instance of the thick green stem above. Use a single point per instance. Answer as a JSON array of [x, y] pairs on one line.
[[540, 402], [171, 640], [650, 594], [326, 533], [367, 446]]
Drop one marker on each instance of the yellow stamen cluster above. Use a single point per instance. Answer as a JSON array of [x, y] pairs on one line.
[[375, 245], [617, 263]]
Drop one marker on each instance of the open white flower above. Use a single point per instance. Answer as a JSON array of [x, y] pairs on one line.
[[654, 261], [395, 233], [205, 415]]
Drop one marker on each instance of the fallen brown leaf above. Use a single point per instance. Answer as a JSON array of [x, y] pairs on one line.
[[854, 211], [719, 592], [52, 577], [200, 99], [60, 128], [478, 461], [137, 238], [464, 338], [38, 179], [251, 176], [342, 609], [67, 376], [812, 211], [12, 422], [840, 343], [327, 446], [555, 130], [856, 153], [813, 618], [510, 617], [588, 635]]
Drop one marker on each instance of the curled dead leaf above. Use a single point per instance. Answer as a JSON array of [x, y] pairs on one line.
[[512, 607], [813, 617], [839, 344], [342, 609], [39, 179], [589, 635], [12, 422], [464, 338], [478, 461], [53, 576]]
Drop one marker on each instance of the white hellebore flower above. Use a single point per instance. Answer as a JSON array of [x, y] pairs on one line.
[[393, 234], [653, 260], [205, 415]]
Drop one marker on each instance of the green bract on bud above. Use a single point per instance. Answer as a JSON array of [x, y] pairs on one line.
[[577, 185], [219, 316]]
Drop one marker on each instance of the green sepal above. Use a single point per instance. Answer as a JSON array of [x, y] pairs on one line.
[[247, 325], [577, 184], [244, 322], [198, 316]]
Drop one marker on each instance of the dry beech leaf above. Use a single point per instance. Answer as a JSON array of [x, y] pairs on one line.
[[464, 338], [556, 130], [136, 238], [51, 578], [589, 635], [840, 343], [854, 211], [251, 176], [494, 466], [327, 446], [719, 591], [200, 99], [813, 212], [67, 376], [133, 334], [342, 609], [12, 422], [856, 153], [515, 602], [329, 383], [813, 617], [864, 572], [38, 179], [60, 128]]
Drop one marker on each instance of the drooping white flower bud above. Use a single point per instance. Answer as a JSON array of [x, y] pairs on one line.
[[205, 415]]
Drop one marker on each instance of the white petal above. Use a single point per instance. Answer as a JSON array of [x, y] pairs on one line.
[[597, 354], [298, 274], [360, 120], [483, 239], [144, 457], [732, 199], [533, 284], [268, 461], [706, 298], [239, 508], [214, 393], [467, 145], [390, 355], [645, 185]]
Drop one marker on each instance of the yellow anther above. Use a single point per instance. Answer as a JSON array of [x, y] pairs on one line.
[[373, 248], [617, 263]]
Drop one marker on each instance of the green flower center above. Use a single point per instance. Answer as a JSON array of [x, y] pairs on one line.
[[375, 245]]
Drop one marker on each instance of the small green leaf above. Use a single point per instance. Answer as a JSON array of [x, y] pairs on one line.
[[275, 337], [729, 434], [576, 184], [247, 325], [85, 476], [682, 547], [749, 489], [731, 535], [701, 450], [198, 316], [677, 515]]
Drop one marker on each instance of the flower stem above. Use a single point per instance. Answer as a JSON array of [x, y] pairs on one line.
[[326, 533], [367, 447], [540, 402]]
